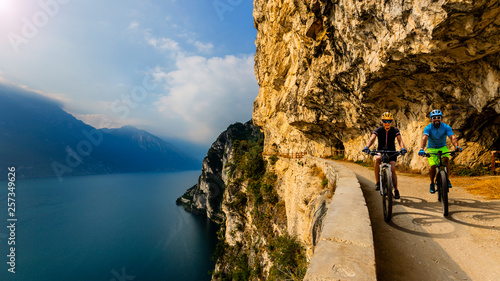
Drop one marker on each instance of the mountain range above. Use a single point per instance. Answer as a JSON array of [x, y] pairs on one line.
[[40, 139]]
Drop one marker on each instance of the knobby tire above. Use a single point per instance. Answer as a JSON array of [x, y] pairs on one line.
[[444, 191], [387, 198], [437, 186]]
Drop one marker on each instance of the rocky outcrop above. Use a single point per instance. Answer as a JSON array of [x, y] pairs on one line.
[[206, 196], [266, 212], [258, 201], [328, 69], [305, 186]]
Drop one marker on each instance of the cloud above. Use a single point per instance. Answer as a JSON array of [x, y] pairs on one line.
[[204, 48], [133, 25], [164, 44], [60, 99], [100, 121], [178, 48], [205, 95]]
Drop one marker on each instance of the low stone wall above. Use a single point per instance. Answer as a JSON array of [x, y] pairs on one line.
[[345, 249]]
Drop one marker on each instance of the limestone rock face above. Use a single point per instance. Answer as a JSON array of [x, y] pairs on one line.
[[327, 70], [306, 199], [206, 195]]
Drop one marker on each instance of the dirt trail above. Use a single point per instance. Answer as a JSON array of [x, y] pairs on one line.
[[420, 244]]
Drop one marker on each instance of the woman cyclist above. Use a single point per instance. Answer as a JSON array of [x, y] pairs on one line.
[[386, 136]]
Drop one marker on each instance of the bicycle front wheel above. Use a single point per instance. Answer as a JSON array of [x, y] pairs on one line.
[[438, 186], [387, 197], [443, 190]]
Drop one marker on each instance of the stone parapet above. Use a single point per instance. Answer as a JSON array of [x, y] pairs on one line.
[[345, 249]]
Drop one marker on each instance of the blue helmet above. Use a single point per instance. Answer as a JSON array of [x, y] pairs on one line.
[[436, 112]]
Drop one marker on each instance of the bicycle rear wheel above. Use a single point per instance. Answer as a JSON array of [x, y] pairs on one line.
[[443, 190], [387, 197]]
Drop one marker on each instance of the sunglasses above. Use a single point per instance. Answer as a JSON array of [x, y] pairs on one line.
[[435, 117], [387, 121]]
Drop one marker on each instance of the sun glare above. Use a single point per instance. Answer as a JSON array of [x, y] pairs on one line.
[[5, 5]]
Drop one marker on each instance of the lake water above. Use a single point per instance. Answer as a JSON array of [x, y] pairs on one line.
[[107, 227]]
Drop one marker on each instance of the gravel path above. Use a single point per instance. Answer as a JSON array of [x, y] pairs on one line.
[[420, 244]]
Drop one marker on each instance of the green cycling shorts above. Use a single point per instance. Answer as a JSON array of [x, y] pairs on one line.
[[433, 160]]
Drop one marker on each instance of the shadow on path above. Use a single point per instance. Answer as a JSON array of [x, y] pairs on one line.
[[468, 212], [404, 250]]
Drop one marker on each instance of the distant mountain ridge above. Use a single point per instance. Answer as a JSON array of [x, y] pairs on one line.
[[42, 140], [144, 139]]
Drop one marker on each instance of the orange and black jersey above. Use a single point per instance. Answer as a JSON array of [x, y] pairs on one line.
[[387, 138]]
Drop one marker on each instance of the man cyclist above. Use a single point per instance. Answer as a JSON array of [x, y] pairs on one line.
[[386, 136], [436, 133]]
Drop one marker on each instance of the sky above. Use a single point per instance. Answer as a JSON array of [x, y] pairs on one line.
[[178, 69]]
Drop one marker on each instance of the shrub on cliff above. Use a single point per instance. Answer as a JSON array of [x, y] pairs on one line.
[[288, 256], [247, 159]]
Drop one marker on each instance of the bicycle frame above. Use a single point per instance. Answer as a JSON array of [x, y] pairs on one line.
[[440, 166], [386, 184], [440, 155], [440, 183], [384, 164]]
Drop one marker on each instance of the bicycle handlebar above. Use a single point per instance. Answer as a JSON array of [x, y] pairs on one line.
[[452, 153], [392, 153]]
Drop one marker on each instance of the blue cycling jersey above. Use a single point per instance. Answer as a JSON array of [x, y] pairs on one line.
[[437, 136]]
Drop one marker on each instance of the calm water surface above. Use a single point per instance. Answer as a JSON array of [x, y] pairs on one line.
[[108, 227]]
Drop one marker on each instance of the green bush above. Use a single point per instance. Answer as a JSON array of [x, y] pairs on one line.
[[254, 188], [289, 259], [239, 202], [324, 182], [273, 159], [337, 157], [256, 270], [247, 158], [242, 272], [235, 256]]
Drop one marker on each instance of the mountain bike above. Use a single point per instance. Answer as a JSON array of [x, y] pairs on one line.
[[441, 180], [385, 180]]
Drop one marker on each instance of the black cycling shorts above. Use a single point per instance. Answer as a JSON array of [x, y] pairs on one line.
[[392, 158]]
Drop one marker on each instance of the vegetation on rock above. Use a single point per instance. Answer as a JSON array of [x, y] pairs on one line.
[[252, 200]]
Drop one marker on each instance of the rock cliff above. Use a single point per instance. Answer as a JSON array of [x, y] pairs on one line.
[[265, 206], [206, 196], [328, 69], [274, 208]]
